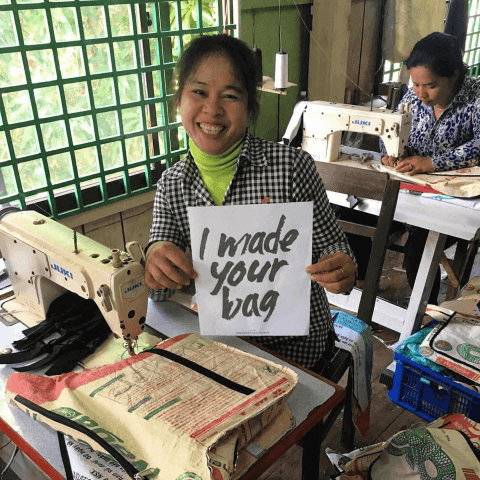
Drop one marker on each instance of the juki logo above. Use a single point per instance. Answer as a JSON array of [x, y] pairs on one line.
[[133, 287], [61, 270], [365, 123]]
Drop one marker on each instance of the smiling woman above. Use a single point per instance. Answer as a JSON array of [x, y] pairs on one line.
[[226, 165], [213, 106]]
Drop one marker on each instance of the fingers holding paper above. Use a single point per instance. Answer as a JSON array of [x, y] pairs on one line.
[[335, 272], [168, 267]]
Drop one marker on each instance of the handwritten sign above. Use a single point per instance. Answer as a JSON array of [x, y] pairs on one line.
[[251, 262]]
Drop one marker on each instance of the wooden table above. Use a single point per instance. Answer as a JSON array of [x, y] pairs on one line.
[[459, 218]]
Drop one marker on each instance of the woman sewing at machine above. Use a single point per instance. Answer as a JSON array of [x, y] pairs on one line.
[[226, 165], [445, 133]]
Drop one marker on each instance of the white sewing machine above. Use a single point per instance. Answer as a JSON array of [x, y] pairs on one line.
[[45, 259], [324, 122]]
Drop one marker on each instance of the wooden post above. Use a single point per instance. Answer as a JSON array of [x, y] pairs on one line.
[[329, 50], [343, 50]]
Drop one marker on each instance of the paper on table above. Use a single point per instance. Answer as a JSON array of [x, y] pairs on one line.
[[251, 262], [458, 183]]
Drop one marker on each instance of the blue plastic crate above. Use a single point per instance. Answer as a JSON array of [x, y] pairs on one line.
[[430, 394]]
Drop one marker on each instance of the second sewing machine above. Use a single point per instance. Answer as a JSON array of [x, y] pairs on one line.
[[322, 125]]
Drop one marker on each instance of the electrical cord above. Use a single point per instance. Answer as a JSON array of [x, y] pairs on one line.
[[5, 470]]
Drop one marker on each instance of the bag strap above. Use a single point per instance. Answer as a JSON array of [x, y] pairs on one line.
[[65, 457]]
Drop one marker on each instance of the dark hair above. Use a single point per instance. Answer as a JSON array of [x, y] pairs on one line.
[[441, 54], [236, 50]]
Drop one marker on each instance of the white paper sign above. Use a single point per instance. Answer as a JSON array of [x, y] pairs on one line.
[[251, 262]]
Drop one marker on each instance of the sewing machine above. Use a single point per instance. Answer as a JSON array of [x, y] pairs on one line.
[[45, 259], [324, 122]]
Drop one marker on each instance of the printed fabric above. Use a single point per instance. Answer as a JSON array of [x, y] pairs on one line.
[[452, 141], [356, 337], [189, 408], [266, 171], [445, 449], [427, 453]]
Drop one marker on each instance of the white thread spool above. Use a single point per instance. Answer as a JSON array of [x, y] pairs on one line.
[[281, 70]]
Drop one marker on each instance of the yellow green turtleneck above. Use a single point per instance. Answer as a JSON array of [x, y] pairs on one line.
[[216, 170]]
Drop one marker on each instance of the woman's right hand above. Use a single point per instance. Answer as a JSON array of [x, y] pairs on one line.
[[410, 165], [168, 267]]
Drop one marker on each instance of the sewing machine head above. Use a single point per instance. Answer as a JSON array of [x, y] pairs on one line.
[[324, 122], [45, 259]]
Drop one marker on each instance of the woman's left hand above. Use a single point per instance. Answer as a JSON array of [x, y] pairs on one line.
[[335, 272], [415, 165]]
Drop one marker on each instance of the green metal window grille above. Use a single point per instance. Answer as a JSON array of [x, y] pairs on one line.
[[86, 114], [391, 71], [472, 42]]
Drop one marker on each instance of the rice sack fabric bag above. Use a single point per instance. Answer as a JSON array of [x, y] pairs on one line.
[[454, 344], [427, 453], [186, 408]]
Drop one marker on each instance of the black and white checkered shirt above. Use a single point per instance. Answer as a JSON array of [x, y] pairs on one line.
[[265, 169]]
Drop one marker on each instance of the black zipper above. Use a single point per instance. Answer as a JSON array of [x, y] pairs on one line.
[[125, 464], [221, 380]]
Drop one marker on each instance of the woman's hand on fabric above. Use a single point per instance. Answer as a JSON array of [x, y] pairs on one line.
[[335, 272], [389, 161], [415, 165], [168, 267]]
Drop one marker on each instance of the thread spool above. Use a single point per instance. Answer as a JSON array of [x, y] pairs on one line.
[[257, 53], [281, 70]]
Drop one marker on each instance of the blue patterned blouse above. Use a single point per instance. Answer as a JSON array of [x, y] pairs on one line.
[[452, 141]]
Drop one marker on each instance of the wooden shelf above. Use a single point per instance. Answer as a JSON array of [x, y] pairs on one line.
[[268, 85]]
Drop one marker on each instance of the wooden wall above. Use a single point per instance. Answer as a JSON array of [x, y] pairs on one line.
[[364, 44], [260, 21], [343, 49], [117, 224]]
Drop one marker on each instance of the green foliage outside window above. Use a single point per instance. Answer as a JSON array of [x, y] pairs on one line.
[[85, 95]]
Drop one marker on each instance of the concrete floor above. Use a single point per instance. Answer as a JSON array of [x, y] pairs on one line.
[[387, 418]]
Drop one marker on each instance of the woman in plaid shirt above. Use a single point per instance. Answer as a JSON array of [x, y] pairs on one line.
[[226, 165]]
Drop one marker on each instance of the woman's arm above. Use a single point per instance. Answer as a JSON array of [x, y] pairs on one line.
[[449, 143], [466, 154], [167, 267]]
